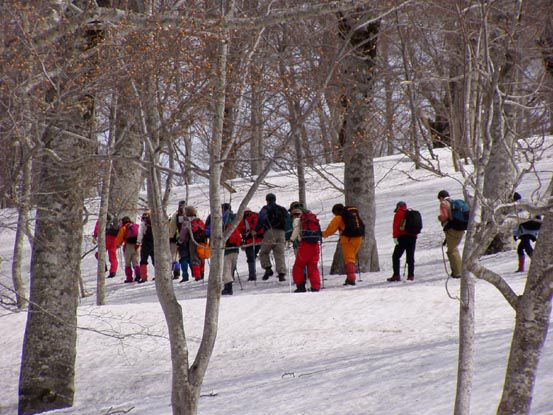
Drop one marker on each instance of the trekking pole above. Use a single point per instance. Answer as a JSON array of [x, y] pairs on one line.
[[404, 268], [359, 269], [289, 273], [322, 268], [238, 276]]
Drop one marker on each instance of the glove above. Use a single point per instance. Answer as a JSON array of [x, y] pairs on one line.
[[444, 243], [396, 242]]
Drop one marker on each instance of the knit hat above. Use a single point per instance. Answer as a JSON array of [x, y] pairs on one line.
[[270, 197], [443, 193], [225, 207], [399, 205]]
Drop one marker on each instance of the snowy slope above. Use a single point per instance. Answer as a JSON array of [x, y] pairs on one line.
[[376, 348]]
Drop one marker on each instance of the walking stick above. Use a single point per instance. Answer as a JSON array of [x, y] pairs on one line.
[[322, 268], [288, 267], [359, 270], [239, 280]]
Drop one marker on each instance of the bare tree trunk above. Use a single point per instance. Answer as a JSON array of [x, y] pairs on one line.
[[531, 327], [359, 182], [48, 359], [22, 224], [256, 143], [389, 113], [126, 175]]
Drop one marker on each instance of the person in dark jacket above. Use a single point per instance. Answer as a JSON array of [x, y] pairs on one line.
[[527, 232], [274, 219], [404, 242], [145, 241]]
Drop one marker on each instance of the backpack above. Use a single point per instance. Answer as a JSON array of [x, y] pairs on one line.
[[353, 224], [197, 227], [276, 217], [459, 215], [310, 228], [203, 251], [250, 223], [131, 233], [148, 234], [112, 227], [234, 239], [413, 222]]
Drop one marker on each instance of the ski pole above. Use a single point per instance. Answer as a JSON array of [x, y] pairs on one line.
[[289, 273], [322, 268], [359, 270], [238, 276]]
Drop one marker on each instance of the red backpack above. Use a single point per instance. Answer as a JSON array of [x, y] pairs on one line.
[[250, 223], [197, 226], [310, 228], [131, 232]]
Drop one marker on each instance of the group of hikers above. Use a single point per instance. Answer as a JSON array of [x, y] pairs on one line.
[[274, 229]]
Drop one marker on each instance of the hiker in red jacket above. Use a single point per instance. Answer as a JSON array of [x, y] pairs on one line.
[[404, 242], [307, 230], [112, 229], [246, 227]]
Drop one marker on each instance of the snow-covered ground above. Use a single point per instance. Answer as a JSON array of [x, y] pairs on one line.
[[376, 348]]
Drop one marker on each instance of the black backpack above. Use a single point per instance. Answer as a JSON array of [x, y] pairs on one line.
[[353, 225], [412, 222], [276, 217], [112, 226]]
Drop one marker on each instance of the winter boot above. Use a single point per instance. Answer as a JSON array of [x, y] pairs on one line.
[[520, 264], [251, 271], [143, 273], [128, 274], [268, 273], [394, 278], [137, 273], [111, 275], [300, 288], [410, 278], [176, 270], [281, 277], [350, 272], [227, 290], [314, 290]]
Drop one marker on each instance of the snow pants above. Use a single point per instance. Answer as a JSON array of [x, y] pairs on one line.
[[111, 248], [453, 239], [350, 247], [307, 257], [407, 244], [131, 254], [273, 240], [525, 246], [229, 265]]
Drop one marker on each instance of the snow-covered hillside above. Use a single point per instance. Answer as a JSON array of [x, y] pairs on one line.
[[376, 348]]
